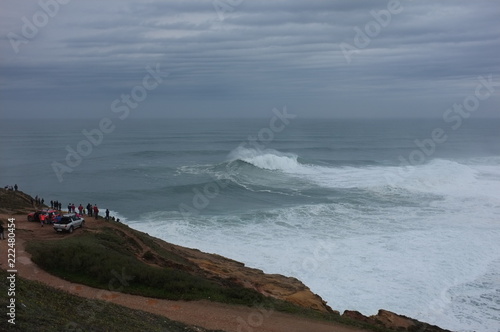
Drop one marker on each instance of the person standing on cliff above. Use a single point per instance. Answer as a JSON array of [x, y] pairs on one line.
[[107, 214], [96, 211]]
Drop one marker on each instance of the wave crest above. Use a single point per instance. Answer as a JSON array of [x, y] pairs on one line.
[[268, 159]]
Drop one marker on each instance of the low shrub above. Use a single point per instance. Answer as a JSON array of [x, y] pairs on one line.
[[101, 261]]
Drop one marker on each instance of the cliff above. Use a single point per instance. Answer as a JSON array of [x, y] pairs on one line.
[[170, 271]]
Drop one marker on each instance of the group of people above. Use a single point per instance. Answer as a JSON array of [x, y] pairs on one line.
[[48, 218], [11, 187], [52, 216], [90, 210], [37, 201], [55, 205]]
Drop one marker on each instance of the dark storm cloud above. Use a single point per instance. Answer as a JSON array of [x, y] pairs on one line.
[[248, 56]]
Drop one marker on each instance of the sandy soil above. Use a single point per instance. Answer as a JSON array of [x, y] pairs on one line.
[[206, 314]]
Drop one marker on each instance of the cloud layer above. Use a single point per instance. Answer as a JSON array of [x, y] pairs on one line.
[[241, 58]]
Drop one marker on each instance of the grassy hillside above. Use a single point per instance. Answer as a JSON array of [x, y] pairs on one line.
[[94, 259], [42, 308], [143, 265], [14, 201]]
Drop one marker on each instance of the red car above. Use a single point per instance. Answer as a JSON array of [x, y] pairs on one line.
[[50, 216]]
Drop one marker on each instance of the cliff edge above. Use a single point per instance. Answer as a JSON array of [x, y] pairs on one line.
[[107, 242]]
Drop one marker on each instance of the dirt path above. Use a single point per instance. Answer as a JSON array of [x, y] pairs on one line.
[[206, 314]]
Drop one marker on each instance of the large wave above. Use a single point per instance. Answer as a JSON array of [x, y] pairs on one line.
[[266, 159], [393, 229], [437, 177]]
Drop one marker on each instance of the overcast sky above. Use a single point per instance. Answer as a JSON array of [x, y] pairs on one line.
[[241, 58]]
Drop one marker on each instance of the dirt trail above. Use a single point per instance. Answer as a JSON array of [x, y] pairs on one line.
[[209, 315]]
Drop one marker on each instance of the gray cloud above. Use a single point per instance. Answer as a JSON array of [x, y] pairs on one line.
[[262, 54]]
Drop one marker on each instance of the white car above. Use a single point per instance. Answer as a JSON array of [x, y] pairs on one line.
[[68, 223]]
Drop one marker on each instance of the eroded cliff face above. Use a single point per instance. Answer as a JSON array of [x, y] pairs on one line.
[[294, 291], [291, 290], [154, 251], [273, 285], [392, 321]]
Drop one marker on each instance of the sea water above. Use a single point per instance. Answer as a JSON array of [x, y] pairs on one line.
[[402, 215]]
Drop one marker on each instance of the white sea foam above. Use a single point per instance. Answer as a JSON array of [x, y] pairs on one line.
[[436, 177], [266, 159], [426, 260], [421, 240]]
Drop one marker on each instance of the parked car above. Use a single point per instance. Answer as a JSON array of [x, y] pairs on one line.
[[50, 215], [68, 223]]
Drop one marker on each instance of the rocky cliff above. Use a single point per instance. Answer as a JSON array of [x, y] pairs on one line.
[[156, 252]]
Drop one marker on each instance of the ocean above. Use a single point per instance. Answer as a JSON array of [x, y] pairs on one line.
[[399, 214]]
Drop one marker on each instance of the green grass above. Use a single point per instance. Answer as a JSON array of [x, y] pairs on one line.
[[164, 254], [104, 260], [42, 308], [109, 258]]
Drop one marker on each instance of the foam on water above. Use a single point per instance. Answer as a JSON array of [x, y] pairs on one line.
[[355, 265], [436, 259], [343, 216], [439, 176], [266, 159]]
